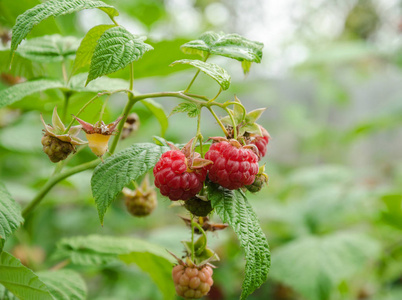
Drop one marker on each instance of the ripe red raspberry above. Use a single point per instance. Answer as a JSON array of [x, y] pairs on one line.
[[192, 282], [233, 166], [175, 178], [261, 142]]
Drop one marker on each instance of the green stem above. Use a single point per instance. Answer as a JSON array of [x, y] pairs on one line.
[[238, 104], [195, 76], [205, 98], [217, 120], [64, 70], [217, 95], [167, 94], [67, 96], [53, 181], [233, 122], [103, 109], [130, 103], [192, 239]]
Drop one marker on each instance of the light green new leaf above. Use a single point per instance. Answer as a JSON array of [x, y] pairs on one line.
[[234, 209], [64, 284], [20, 280], [87, 46], [190, 108], [19, 91], [110, 177], [212, 70], [26, 21], [323, 262], [77, 83], [228, 45], [49, 48], [158, 112], [152, 259], [10, 215], [115, 49]]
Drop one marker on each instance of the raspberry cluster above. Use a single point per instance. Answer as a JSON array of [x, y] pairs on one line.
[[175, 179], [192, 282]]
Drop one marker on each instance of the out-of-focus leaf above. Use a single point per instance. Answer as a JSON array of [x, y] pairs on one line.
[[392, 215], [55, 8], [87, 46], [146, 11], [212, 70], [116, 48], [110, 177], [10, 215], [20, 280], [49, 48], [19, 91], [64, 284], [158, 112], [21, 67], [228, 45], [323, 262], [151, 258], [6, 294], [77, 83]]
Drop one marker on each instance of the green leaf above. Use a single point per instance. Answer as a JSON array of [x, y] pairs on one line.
[[10, 215], [212, 70], [153, 259], [55, 8], [20, 280], [228, 45], [234, 209], [190, 108], [87, 46], [116, 48], [158, 112], [77, 83], [49, 48], [110, 177], [323, 261], [19, 91], [64, 284]]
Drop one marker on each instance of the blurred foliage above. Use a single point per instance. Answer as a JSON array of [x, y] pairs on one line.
[[333, 209]]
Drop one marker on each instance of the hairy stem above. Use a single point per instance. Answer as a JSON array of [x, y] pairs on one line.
[[53, 181], [195, 76], [217, 120]]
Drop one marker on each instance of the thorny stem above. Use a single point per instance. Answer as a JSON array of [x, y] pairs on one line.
[[53, 181], [195, 76]]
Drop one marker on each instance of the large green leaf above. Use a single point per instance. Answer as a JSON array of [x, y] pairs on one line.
[[158, 112], [64, 284], [20, 280], [116, 48], [110, 177], [49, 48], [98, 250], [87, 46], [55, 8], [10, 215], [234, 209], [228, 45], [19, 91], [212, 70], [314, 266]]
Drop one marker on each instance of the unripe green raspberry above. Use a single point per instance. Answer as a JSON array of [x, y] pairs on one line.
[[260, 181], [140, 204], [54, 148], [198, 207]]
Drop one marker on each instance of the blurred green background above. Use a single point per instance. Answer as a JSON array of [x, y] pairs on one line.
[[331, 80]]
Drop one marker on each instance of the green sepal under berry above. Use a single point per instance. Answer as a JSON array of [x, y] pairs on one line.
[[202, 254]]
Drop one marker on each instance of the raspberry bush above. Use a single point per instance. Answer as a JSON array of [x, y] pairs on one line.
[[205, 176]]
